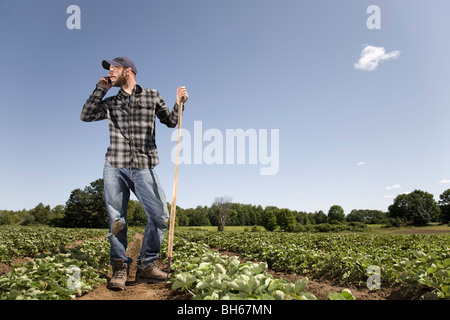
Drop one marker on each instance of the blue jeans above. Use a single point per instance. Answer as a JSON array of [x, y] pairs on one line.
[[145, 185]]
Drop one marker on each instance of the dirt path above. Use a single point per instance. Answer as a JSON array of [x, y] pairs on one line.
[[134, 290]]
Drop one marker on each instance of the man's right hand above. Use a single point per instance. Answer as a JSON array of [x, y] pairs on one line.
[[104, 82]]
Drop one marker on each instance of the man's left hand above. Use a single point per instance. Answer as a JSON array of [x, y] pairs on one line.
[[182, 95]]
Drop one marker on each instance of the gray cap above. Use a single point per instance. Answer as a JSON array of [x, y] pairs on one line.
[[120, 61]]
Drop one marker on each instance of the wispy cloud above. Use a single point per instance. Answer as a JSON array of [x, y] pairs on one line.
[[392, 197], [371, 56], [445, 181], [396, 186], [361, 163]]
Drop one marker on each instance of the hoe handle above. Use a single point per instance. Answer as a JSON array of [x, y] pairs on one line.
[[173, 207]]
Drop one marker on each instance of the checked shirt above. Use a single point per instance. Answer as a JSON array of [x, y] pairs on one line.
[[131, 120]]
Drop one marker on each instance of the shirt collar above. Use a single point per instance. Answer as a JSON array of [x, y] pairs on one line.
[[137, 90]]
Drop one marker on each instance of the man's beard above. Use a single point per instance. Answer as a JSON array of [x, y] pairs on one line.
[[121, 80]]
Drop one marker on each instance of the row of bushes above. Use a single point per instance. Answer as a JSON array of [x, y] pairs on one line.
[[86, 208]]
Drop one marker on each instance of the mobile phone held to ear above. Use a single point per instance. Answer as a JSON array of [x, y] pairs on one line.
[[109, 80]]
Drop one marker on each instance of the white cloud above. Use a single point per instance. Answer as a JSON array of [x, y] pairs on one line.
[[361, 163], [393, 187], [371, 56], [388, 197], [445, 181]]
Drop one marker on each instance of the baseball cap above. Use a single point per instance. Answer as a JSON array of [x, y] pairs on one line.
[[120, 61]]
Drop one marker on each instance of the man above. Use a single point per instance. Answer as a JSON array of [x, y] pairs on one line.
[[129, 164]]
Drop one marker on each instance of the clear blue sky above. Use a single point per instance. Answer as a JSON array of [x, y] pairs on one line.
[[347, 136]]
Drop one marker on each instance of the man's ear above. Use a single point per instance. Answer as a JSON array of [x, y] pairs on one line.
[[131, 73]]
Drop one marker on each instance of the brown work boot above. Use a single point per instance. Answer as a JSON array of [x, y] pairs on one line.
[[151, 274], [120, 275]]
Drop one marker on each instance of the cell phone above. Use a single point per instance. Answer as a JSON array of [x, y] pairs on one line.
[[109, 80]]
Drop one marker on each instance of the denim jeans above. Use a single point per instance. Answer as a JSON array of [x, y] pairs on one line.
[[145, 185]]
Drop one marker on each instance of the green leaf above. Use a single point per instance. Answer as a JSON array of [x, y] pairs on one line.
[[278, 295], [344, 295], [217, 284], [252, 285], [447, 263], [300, 285], [177, 284], [202, 285], [220, 269], [274, 285], [336, 296]]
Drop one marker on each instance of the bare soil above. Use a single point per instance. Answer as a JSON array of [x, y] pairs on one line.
[[134, 290], [6, 268]]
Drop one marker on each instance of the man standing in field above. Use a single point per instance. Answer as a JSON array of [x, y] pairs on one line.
[[129, 164]]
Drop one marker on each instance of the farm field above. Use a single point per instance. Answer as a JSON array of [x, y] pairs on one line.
[[418, 263], [53, 263]]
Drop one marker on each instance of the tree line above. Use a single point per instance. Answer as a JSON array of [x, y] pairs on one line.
[[85, 208]]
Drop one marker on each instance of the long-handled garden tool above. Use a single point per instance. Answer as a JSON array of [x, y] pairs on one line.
[[173, 208]]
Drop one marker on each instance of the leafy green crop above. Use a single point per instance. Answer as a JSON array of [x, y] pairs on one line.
[[46, 276], [413, 260], [21, 241], [50, 275], [208, 275], [431, 270]]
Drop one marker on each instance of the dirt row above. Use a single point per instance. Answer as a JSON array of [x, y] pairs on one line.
[[134, 290]]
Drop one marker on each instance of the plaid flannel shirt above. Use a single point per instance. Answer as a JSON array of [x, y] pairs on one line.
[[131, 124]]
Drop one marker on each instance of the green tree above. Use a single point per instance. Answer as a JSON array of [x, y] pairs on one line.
[[366, 216], [57, 212], [302, 217], [234, 221], [336, 215], [258, 214], [181, 217], [57, 215], [319, 217], [11, 217], [86, 208], [417, 208], [41, 213], [269, 220], [286, 220], [198, 216], [444, 205], [136, 214]]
